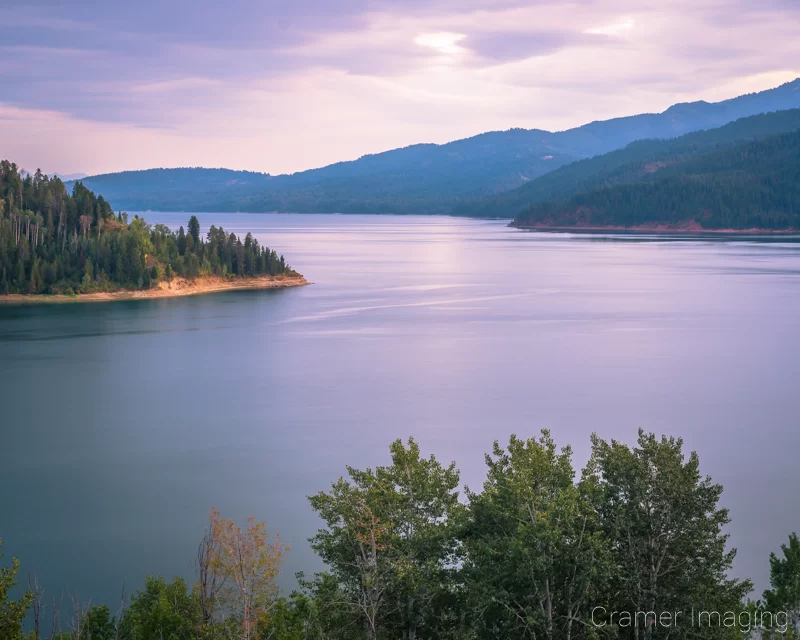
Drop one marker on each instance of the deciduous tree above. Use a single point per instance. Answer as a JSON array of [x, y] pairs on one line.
[[12, 612], [535, 552], [784, 578], [391, 540], [665, 528], [247, 562]]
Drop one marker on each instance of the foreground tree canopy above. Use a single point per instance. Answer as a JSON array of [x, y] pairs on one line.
[[55, 242], [540, 552]]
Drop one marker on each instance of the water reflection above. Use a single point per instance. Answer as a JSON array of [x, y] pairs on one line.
[[123, 423]]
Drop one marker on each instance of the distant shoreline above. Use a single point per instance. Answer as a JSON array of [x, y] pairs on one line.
[[688, 230], [177, 288]]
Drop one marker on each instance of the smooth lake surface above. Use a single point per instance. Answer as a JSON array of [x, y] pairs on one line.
[[124, 423]]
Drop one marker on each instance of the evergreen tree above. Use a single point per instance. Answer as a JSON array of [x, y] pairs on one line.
[[20, 280], [81, 245], [181, 241], [194, 229]]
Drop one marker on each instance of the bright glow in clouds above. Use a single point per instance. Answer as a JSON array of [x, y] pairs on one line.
[[445, 43], [282, 87], [615, 29]]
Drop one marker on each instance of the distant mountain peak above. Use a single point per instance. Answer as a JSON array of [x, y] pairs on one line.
[[67, 177], [425, 177]]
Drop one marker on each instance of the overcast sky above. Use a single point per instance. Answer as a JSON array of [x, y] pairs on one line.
[[96, 85]]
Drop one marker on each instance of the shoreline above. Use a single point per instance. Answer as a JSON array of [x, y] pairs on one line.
[[177, 288], [690, 230]]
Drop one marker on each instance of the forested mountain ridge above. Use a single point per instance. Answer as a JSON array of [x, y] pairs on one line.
[[755, 185], [420, 178], [630, 164], [53, 241], [423, 178]]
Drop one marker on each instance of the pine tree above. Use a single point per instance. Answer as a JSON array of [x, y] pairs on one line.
[[88, 274], [36, 279], [20, 280], [54, 241], [181, 241], [194, 229]]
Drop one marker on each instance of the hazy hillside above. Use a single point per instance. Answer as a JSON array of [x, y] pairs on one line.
[[425, 178], [751, 185], [630, 164], [172, 189], [69, 177]]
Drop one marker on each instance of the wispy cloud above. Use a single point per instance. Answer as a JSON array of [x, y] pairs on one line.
[[177, 85], [613, 29]]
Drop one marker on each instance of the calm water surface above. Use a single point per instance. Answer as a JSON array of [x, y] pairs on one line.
[[123, 423]]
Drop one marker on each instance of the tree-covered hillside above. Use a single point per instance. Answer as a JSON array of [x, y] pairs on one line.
[[751, 185], [52, 241], [628, 165], [422, 178]]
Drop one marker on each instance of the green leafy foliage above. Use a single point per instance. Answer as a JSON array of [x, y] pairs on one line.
[[12, 612], [390, 540], [162, 610], [534, 555], [784, 573], [97, 624], [663, 524]]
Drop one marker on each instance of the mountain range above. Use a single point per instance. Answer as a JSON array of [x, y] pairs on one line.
[[492, 174], [733, 184], [639, 161]]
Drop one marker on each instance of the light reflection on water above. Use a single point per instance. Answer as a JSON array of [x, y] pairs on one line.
[[123, 423]]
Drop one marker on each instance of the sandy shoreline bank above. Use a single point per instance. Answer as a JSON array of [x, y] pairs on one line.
[[690, 230], [178, 287]]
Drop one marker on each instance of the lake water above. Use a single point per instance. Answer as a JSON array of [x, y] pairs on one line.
[[124, 423]]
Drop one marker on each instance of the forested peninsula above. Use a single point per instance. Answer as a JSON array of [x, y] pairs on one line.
[[56, 245]]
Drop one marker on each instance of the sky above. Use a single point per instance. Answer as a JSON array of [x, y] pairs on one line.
[[94, 86]]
